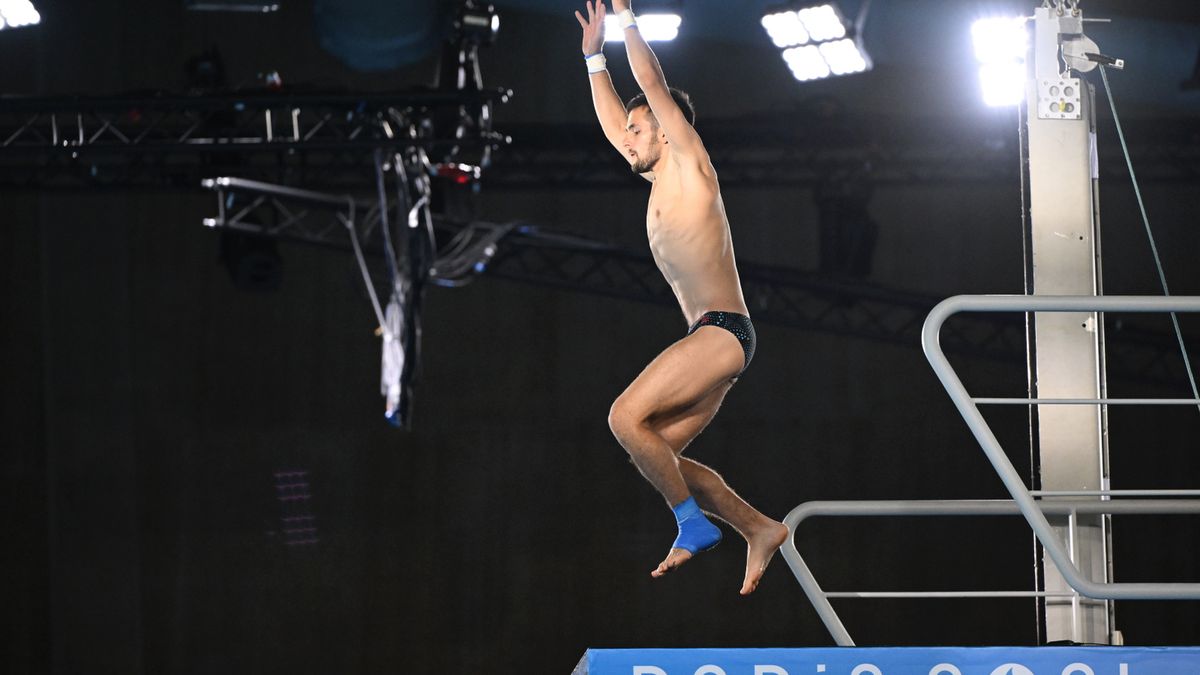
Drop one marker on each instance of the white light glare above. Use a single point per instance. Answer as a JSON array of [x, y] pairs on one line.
[[843, 57], [785, 29], [822, 23], [17, 13], [1000, 40], [806, 63], [1003, 83], [654, 27], [1000, 48]]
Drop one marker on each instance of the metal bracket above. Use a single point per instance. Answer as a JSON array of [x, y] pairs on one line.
[[1060, 99]]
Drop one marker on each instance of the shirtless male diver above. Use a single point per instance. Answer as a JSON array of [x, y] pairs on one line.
[[676, 396]]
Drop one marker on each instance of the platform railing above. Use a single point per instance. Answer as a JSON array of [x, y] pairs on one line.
[[1023, 501]]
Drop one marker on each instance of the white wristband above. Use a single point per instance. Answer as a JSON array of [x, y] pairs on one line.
[[596, 63], [626, 19]]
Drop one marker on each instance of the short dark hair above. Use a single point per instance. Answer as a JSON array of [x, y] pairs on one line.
[[681, 98]]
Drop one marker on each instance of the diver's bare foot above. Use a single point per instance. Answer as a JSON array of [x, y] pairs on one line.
[[674, 559], [761, 546]]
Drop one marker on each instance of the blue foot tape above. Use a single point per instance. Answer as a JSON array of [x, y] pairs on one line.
[[696, 531]]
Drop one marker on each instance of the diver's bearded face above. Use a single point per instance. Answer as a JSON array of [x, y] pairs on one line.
[[644, 162], [642, 146]]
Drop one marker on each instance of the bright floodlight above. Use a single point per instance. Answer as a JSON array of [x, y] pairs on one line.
[[17, 13], [822, 22], [815, 40], [654, 27], [843, 57], [1000, 48], [785, 28], [806, 63], [1000, 40], [1003, 84]]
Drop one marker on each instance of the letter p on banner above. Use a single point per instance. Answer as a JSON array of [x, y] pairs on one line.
[[648, 670], [769, 670]]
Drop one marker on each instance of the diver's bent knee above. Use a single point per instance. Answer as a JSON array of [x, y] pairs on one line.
[[616, 414], [625, 421]]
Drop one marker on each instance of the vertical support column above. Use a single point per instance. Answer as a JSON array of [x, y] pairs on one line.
[[1064, 223]]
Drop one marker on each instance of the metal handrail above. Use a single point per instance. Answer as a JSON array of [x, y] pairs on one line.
[[1003, 507], [1023, 502], [930, 342]]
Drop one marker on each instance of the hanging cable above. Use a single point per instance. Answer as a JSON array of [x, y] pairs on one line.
[[362, 265], [1162, 277], [389, 250], [426, 187], [468, 253]]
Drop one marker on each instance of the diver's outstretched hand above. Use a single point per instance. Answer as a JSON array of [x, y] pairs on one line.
[[593, 27]]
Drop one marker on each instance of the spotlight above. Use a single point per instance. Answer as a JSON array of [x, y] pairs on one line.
[[477, 22], [844, 57], [1000, 47], [659, 23], [806, 63], [1002, 84], [17, 13], [785, 28], [816, 40], [822, 22]]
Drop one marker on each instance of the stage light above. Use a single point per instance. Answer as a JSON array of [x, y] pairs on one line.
[[823, 22], [1000, 48], [806, 63], [785, 29], [654, 27], [1003, 84], [1000, 40], [844, 57], [477, 22], [17, 13], [816, 39]]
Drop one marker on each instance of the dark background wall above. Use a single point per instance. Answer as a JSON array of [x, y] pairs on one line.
[[148, 406]]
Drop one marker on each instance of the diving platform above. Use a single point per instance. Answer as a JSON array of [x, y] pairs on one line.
[[894, 661]]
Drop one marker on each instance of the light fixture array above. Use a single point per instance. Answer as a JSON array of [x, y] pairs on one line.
[[815, 41], [17, 13], [1000, 47]]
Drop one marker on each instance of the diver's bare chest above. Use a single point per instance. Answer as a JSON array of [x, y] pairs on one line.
[[665, 210]]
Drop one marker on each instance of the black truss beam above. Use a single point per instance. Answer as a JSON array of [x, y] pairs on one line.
[[174, 141], [325, 141], [777, 150], [790, 150], [798, 299], [776, 295]]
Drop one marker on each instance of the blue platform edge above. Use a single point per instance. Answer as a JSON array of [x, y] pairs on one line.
[[895, 661]]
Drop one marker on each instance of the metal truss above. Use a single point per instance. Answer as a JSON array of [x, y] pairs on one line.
[[796, 150], [325, 141], [775, 295], [281, 212], [770, 151], [794, 298], [174, 141]]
